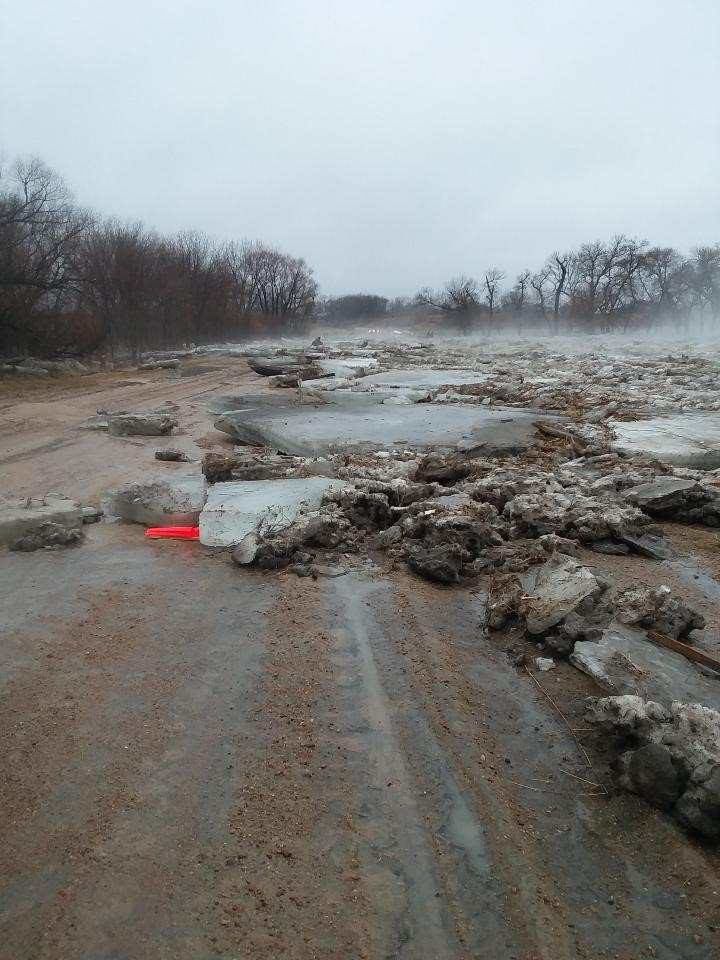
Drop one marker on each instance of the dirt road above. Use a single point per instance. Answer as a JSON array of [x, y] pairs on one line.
[[47, 444], [202, 762]]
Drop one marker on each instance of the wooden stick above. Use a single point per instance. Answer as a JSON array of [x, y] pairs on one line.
[[690, 653], [581, 779], [550, 430]]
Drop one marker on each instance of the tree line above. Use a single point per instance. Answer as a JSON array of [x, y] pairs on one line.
[[610, 286], [350, 308], [73, 282]]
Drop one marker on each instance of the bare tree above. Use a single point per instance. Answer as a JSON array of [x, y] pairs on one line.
[[492, 280], [664, 281], [459, 295], [539, 282], [605, 277], [459, 298], [274, 283], [39, 227], [123, 283], [705, 280], [521, 286], [515, 300], [560, 267]]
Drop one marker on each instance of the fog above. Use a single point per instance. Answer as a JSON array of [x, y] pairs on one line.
[[391, 145]]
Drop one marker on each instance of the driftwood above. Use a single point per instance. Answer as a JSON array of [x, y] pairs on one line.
[[690, 653], [558, 433]]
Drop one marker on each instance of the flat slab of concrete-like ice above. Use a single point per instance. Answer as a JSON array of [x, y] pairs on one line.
[[367, 423], [420, 379], [346, 366], [158, 501], [625, 661], [684, 439], [20, 518], [239, 508]]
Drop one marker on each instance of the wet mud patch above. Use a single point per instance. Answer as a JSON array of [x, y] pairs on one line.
[[575, 879], [119, 770], [291, 884]]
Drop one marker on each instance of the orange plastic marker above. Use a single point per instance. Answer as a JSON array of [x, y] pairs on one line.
[[173, 533]]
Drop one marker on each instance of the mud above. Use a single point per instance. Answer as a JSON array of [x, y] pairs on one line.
[[207, 761]]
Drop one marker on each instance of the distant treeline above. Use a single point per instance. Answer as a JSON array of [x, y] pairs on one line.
[[354, 307], [612, 286], [615, 286], [73, 283]]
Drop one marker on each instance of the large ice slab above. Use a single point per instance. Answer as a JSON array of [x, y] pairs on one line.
[[625, 661], [158, 501], [420, 379], [365, 423], [685, 439], [21, 518], [242, 507], [346, 366]]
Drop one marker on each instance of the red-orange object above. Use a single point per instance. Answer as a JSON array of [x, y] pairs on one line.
[[173, 533]]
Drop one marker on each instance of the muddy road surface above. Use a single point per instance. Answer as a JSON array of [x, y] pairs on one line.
[[47, 440], [207, 763]]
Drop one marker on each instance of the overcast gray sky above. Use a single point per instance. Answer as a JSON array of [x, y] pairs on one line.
[[392, 144]]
